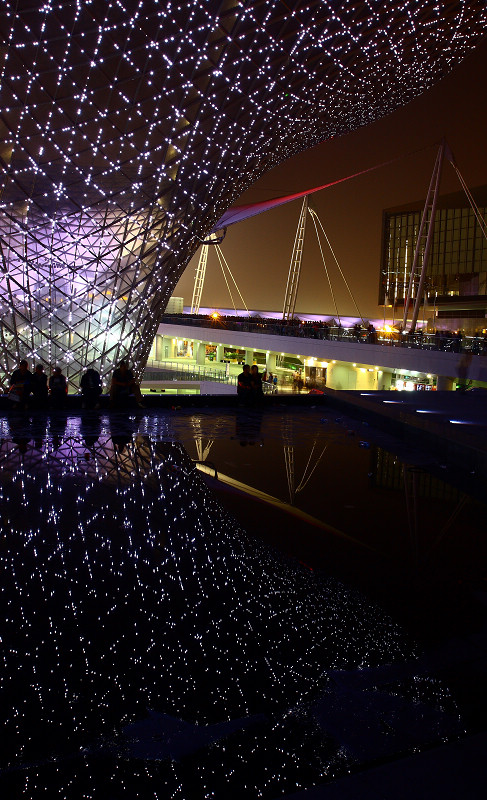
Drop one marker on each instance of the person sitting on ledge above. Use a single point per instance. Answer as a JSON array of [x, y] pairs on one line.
[[21, 384], [90, 385], [39, 387], [123, 385], [58, 388]]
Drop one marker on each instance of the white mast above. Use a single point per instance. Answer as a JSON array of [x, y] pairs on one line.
[[199, 280], [295, 265], [425, 237]]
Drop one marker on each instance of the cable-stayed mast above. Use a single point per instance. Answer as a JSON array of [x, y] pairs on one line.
[[425, 236], [199, 280], [295, 265]]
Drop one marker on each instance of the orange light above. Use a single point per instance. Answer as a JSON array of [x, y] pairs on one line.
[[215, 315]]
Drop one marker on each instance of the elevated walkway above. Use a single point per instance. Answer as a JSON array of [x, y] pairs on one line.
[[385, 355]]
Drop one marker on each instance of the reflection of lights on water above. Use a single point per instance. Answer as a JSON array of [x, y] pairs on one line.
[[126, 586]]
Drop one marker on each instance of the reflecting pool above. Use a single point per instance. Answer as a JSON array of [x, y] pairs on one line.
[[154, 645]]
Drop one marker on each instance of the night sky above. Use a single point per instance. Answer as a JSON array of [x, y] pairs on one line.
[[259, 250]]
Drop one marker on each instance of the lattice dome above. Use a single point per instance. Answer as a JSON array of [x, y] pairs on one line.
[[129, 126]]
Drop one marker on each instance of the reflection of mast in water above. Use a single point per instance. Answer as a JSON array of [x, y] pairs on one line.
[[288, 448], [410, 477], [203, 451], [417, 484]]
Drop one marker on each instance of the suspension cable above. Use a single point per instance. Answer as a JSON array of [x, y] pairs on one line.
[[326, 269], [478, 216], [314, 214], [220, 253], [225, 277]]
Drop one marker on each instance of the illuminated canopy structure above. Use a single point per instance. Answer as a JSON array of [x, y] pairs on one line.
[[129, 126]]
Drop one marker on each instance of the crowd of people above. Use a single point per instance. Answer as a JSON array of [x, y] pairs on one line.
[[28, 388], [364, 332]]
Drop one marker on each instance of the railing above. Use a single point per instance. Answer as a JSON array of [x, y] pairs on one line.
[[441, 341], [176, 370]]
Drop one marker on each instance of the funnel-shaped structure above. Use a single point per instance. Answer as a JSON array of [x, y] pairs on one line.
[[128, 127]]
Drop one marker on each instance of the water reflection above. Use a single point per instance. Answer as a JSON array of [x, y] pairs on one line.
[[248, 425], [151, 646], [378, 491], [90, 428]]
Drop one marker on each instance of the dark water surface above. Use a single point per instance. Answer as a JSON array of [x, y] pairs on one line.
[[158, 640]]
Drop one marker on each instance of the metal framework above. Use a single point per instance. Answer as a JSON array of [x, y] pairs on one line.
[[129, 126], [295, 265], [199, 280]]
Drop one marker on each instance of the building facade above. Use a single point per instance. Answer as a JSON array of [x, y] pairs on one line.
[[455, 290], [129, 127]]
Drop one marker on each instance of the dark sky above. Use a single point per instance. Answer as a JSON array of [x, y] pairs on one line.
[[259, 250]]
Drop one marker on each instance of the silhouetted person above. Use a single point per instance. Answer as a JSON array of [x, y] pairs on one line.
[[371, 334], [244, 388], [21, 385], [257, 393], [123, 385], [90, 385], [58, 388], [39, 387]]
